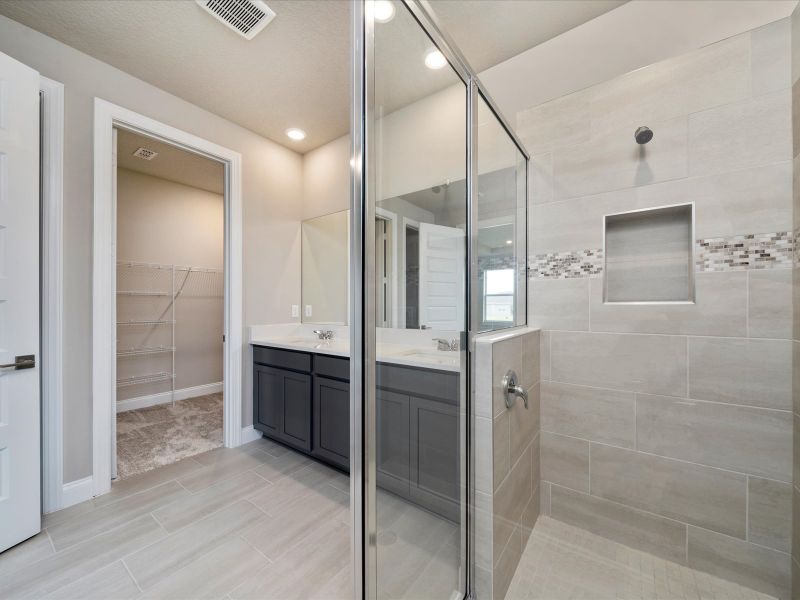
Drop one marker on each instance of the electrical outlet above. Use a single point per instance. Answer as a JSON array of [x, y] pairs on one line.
[[308, 310], [295, 310]]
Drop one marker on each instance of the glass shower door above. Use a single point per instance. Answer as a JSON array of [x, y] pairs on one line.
[[415, 310]]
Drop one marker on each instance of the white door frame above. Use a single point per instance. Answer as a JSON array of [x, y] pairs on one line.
[[52, 293], [104, 260]]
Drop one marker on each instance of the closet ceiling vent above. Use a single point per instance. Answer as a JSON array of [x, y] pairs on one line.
[[245, 17], [145, 154]]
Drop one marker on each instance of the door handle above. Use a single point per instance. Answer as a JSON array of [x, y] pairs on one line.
[[26, 361]]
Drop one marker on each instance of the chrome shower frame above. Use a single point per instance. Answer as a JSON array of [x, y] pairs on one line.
[[362, 289]]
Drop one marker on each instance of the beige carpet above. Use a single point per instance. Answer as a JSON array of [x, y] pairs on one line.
[[152, 437]]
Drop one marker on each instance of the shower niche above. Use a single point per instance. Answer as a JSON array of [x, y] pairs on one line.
[[649, 255]]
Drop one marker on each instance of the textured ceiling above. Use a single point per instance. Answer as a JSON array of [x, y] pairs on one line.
[[296, 72], [172, 163]]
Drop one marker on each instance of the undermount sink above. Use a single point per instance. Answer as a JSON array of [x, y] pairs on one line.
[[434, 356]]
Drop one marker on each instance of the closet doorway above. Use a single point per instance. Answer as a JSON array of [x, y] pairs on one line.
[[169, 303], [174, 332]]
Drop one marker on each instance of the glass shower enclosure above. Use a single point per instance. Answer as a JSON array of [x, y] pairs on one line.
[[438, 254]]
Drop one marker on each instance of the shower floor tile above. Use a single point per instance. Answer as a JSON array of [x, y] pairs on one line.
[[562, 562]]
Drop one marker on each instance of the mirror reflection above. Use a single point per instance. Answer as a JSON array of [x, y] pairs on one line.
[[325, 266]]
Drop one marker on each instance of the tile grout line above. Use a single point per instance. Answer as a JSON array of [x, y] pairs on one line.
[[127, 568]]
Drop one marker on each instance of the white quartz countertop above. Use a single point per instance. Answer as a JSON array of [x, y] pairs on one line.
[[410, 355]]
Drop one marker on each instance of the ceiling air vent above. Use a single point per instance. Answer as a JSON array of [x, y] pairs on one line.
[[145, 154], [245, 17]]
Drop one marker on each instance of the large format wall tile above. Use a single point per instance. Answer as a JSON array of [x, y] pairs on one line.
[[613, 161], [576, 224], [711, 76], [541, 174], [759, 568], [707, 497], [590, 413], [560, 304], [770, 513], [771, 57], [739, 371], [720, 308], [770, 304], [740, 135], [663, 537], [565, 461], [748, 440], [754, 200], [523, 423], [559, 122], [640, 363]]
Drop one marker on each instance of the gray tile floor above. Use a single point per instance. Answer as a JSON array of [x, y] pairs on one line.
[[260, 521], [562, 562]]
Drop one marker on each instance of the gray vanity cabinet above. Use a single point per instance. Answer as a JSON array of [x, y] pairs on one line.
[[303, 399], [332, 421], [393, 440], [434, 444], [282, 404]]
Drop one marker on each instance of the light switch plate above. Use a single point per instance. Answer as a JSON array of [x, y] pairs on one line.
[[295, 310], [308, 310]]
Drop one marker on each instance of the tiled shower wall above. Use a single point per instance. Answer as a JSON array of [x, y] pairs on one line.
[[507, 457], [669, 427]]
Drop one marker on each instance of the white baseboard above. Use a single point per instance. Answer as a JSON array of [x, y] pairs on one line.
[[166, 397], [76, 492], [250, 434]]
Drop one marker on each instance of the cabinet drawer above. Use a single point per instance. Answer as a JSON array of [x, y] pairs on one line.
[[329, 366], [439, 385], [285, 359]]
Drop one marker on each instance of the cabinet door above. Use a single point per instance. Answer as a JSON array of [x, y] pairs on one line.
[[296, 424], [435, 465], [332, 421], [393, 450], [268, 400]]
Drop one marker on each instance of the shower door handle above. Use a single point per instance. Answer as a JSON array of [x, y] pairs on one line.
[[512, 390]]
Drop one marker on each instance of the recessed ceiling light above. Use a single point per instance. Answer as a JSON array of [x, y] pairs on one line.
[[509, 241], [296, 134], [435, 60], [383, 11]]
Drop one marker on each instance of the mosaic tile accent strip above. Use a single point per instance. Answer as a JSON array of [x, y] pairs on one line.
[[744, 252], [751, 251], [567, 265]]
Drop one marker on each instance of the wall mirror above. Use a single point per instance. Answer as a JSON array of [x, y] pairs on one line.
[[325, 268]]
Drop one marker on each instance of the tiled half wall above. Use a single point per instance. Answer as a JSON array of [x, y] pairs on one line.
[[506, 446], [669, 427]]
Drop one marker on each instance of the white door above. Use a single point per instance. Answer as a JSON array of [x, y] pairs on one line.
[[19, 303], [441, 277]]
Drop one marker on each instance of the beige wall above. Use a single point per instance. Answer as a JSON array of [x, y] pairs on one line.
[[272, 207], [326, 179], [167, 223], [671, 425]]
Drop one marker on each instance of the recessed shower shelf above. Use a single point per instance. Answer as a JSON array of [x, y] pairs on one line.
[[140, 379], [145, 350]]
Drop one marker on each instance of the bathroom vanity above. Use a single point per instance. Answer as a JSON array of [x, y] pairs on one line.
[[301, 398]]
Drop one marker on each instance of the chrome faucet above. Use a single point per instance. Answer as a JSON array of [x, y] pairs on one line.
[[445, 346], [324, 335]]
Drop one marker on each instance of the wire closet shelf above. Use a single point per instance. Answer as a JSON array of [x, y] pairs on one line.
[[147, 295]]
